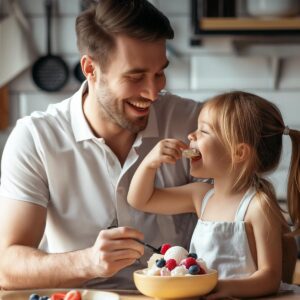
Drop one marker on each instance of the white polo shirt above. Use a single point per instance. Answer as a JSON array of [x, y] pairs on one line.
[[53, 159]]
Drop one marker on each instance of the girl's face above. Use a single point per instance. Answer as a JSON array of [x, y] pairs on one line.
[[213, 161]]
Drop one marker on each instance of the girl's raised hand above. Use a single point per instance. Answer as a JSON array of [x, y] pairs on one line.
[[165, 151]]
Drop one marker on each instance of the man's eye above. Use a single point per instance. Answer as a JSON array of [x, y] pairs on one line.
[[135, 78], [160, 74]]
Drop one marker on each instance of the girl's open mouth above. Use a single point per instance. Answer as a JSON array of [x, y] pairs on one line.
[[192, 153]]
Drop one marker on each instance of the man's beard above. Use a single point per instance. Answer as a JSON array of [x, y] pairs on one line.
[[114, 113]]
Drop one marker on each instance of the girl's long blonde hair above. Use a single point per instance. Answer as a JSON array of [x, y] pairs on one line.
[[240, 117]]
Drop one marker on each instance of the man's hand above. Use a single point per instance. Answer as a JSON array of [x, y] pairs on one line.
[[116, 249], [165, 151]]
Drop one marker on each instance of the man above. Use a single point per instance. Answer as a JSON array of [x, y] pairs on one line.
[[65, 172]]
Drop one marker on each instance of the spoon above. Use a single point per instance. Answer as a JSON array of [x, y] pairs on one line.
[[155, 250]]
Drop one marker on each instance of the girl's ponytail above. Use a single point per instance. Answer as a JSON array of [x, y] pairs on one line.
[[293, 190], [266, 193]]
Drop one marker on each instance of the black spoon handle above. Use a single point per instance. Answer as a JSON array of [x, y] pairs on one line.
[[155, 250]]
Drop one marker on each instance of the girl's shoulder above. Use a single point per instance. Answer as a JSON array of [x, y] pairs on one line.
[[199, 190], [263, 209]]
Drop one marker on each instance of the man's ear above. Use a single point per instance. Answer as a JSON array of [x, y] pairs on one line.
[[88, 67], [242, 152]]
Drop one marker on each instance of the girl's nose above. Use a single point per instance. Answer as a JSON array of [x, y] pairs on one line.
[[192, 136]]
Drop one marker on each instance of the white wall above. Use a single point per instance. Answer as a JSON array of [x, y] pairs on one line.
[[195, 72]]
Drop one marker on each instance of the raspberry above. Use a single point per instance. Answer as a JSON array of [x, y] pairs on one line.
[[171, 264], [164, 248], [189, 261]]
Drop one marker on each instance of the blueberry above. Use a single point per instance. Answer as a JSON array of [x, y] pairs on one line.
[[193, 255], [194, 270], [160, 263], [34, 297]]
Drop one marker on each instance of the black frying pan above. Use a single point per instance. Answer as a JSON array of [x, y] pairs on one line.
[[78, 73], [50, 73], [84, 4]]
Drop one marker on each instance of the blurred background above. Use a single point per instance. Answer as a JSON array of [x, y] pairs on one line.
[[219, 45]]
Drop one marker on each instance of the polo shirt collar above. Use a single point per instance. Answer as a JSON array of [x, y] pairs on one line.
[[151, 129], [82, 130], [80, 126]]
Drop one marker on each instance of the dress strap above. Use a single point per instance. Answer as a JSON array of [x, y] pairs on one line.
[[244, 203], [205, 200]]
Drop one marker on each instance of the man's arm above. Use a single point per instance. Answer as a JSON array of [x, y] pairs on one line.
[[22, 265]]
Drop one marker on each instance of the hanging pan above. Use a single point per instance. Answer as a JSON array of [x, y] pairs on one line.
[[78, 73], [50, 73]]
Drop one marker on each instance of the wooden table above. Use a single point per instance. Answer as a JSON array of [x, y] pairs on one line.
[[127, 295], [290, 296]]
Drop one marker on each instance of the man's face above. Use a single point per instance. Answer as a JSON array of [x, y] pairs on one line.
[[131, 82]]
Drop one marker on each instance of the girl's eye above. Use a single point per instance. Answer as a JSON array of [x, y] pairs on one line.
[[203, 131]]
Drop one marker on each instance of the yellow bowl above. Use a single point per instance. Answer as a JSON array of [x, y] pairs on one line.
[[175, 287]]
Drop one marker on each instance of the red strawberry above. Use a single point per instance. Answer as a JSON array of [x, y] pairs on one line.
[[171, 264], [58, 296], [73, 295], [189, 261], [164, 248]]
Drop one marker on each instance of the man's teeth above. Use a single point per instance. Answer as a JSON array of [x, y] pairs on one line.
[[139, 104]]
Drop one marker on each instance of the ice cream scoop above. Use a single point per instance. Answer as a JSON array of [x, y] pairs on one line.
[[176, 252]]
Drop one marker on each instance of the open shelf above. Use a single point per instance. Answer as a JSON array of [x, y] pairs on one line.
[[241, 24], [206, 25]]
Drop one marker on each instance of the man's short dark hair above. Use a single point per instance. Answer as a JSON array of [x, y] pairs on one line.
[[97, 26]]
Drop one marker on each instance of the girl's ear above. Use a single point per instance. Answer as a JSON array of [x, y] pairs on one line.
[[242, 153]]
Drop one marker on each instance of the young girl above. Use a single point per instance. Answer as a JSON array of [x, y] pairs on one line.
[[239, 140]]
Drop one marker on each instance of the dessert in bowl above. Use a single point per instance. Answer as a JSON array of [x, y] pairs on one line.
[[175, 274]]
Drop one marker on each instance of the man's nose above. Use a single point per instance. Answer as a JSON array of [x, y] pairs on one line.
[[151, 90]]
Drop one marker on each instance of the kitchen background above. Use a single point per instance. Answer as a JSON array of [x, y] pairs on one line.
[[267, 66]]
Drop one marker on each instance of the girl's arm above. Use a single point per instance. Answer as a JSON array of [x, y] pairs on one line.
[[144, 196], [267, 230]]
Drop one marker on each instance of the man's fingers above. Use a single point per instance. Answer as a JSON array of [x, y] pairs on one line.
[[122, 244], [121, 233], [116, 249], [124, 254]]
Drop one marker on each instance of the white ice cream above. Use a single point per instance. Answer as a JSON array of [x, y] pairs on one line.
[[179, 271], [153, 271], [165, 272], [177, 252], [154, 257]]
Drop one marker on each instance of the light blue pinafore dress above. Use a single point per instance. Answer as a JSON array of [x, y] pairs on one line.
[[224, 245]]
